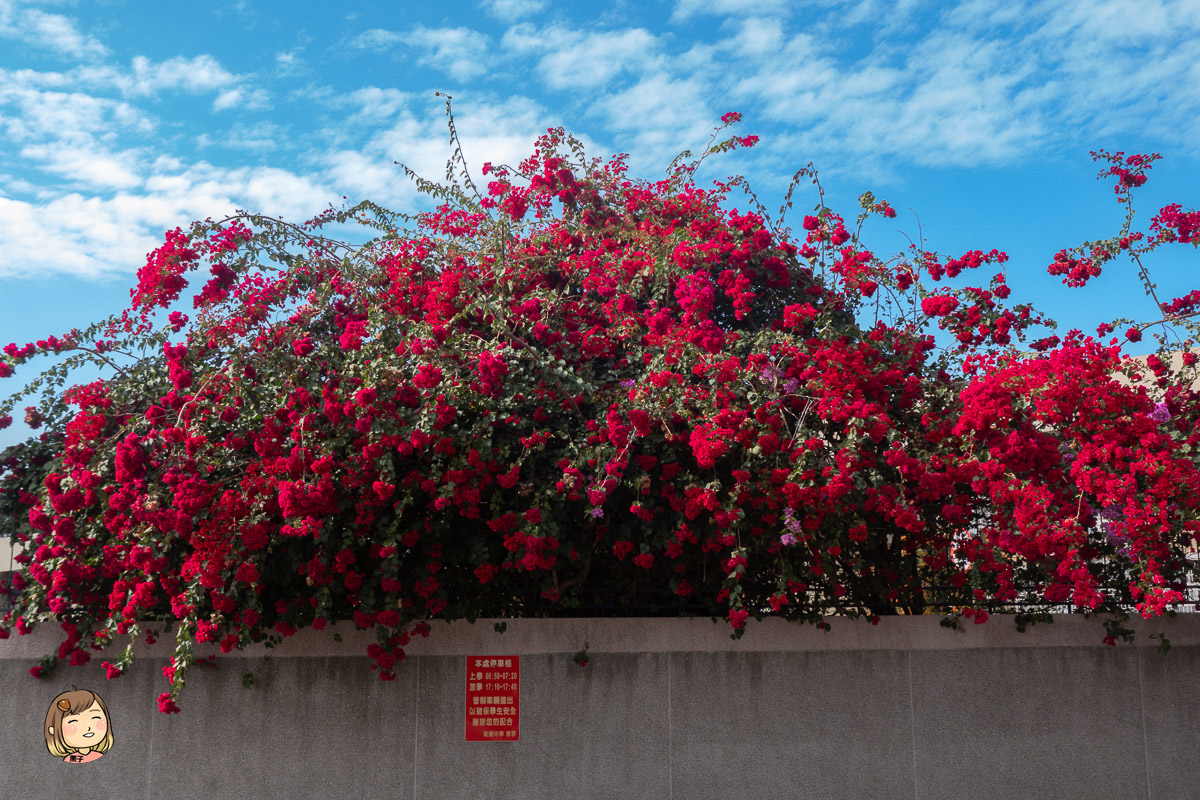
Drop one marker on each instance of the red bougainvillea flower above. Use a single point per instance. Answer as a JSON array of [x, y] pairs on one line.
[[574, 390]]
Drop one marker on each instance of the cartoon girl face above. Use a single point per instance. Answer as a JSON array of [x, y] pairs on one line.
[[85, 729], [78, 726]]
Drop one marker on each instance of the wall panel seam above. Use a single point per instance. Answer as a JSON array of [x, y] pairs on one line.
[[417, 722], [1145, 735], [912, 719]]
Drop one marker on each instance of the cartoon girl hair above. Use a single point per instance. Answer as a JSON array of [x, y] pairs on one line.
[[75, 701]]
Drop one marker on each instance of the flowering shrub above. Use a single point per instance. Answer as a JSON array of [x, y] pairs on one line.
[[573, 392]]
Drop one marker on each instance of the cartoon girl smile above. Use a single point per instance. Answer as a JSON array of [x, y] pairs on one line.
[[77, 728]]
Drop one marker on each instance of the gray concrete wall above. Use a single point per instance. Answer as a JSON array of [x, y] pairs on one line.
[[665, 709]]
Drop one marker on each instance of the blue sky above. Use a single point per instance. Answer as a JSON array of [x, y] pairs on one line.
[[120, 120]]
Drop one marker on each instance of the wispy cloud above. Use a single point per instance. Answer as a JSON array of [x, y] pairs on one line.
[[94, 236], [52, 32], [1121, 21], [31, 115], [459, 52], [111, 203], [376, 39], [372, 104], [982, 82], [241, 98], [260, 136], [289, 64], [685, 9], [198, 74], [571, 59], [512, 10], [640, 108], [500, 130], [86, 164], [953, 99], [51, 238], [143, 77]]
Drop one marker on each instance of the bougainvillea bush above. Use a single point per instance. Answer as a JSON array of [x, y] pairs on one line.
[[568, 392]]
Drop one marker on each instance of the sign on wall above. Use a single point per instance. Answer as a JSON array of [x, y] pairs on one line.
[[493, 698]]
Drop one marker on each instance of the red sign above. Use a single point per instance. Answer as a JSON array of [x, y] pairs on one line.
[[493, 698]]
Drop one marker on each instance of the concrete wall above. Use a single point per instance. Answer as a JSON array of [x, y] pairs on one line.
[[665, 709]]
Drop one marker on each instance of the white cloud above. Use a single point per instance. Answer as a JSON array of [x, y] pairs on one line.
[[202, 190], [227, 99], [684, 9], [142, 78], [1117, 21], [497, 130], [196, 75], [573, 59], [359, 176], [11, 185], [954, 99], [49, 31], [984, 82], [642, 106], [501, 131], [288, 64], [376, 39], [33, 115], [38, 241], [1133, 66], [91, 236], [512, 10], [759, 38], [241, 98], [87, 165], [283, 192], [258, 137], [110, 200], [655, 131], [459, 52], [79, 140], [374, 105], [887, 16], [982, 16]]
